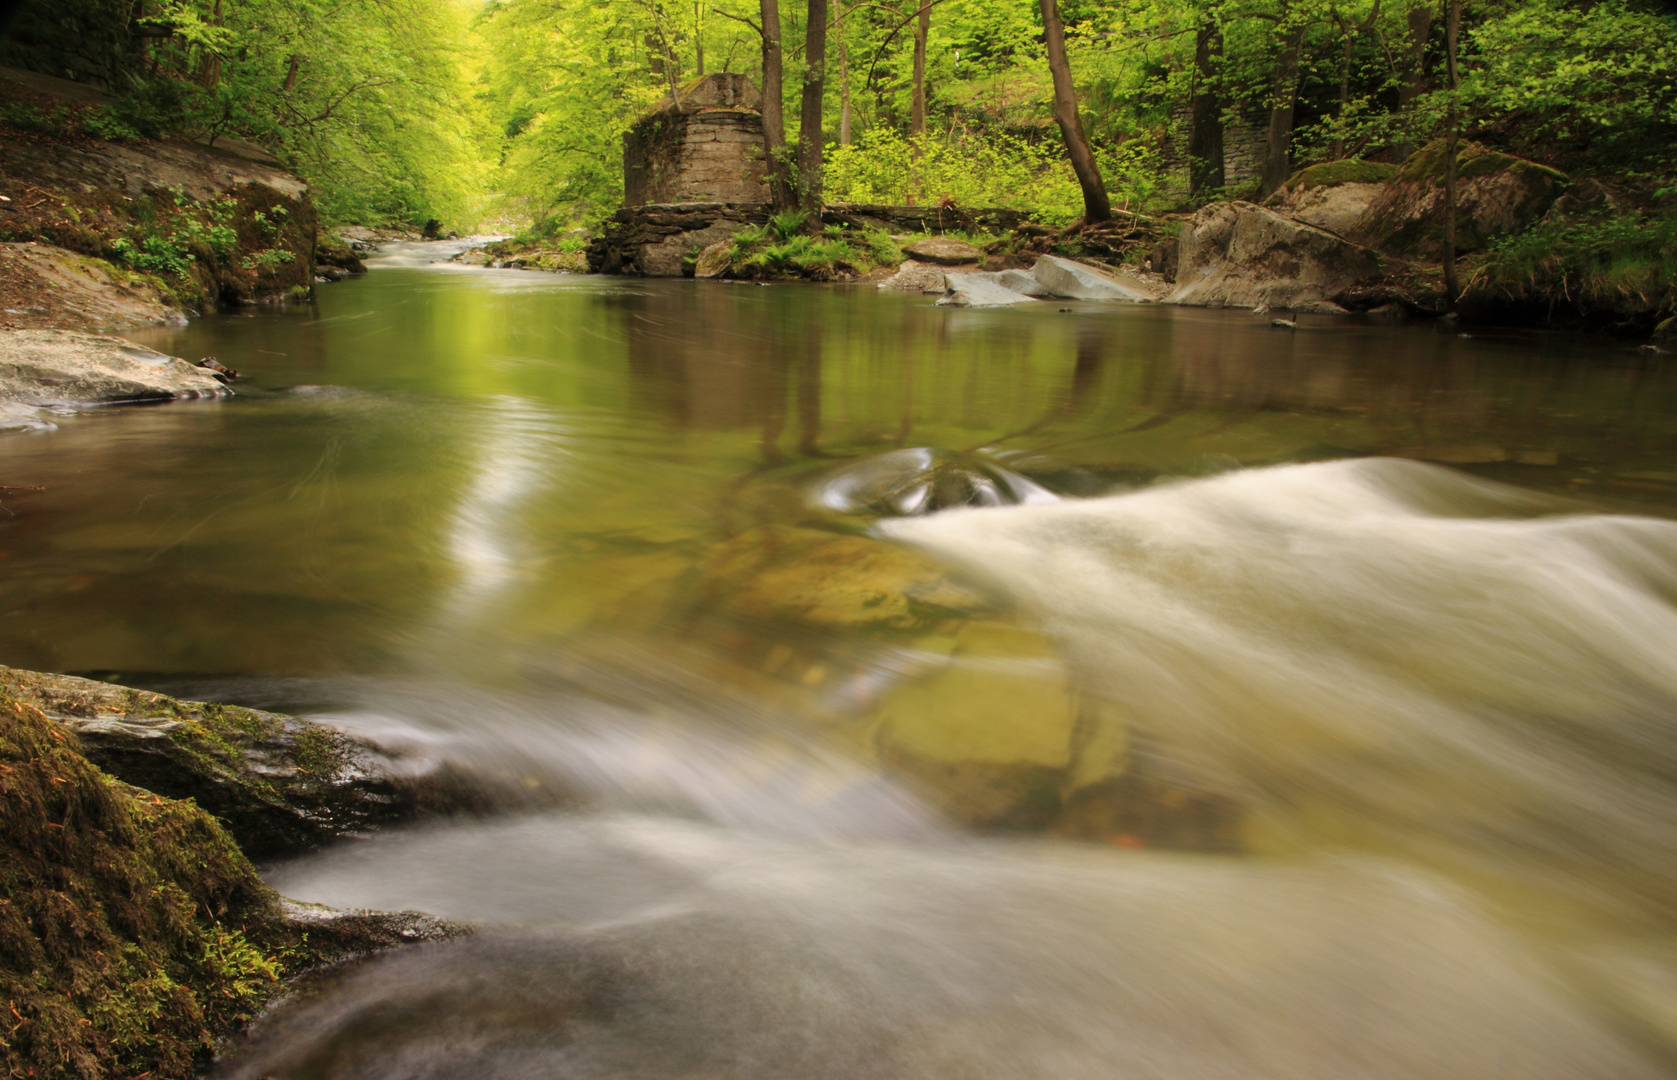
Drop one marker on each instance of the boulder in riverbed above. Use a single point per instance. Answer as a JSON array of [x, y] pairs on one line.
[[943, 251], [1497, 194], [1333, 195], [1239, 254], [52, 367], [1070, 280], [979, 290], [1023, 282]]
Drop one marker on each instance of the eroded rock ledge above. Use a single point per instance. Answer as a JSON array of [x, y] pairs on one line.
[[135, 936]]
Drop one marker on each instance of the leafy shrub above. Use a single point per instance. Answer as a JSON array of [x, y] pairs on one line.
[[106, 123], [269, 259], [1614, 263], [153, 255], [22, 116]]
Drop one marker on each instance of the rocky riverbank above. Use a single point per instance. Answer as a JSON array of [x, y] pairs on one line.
[[135, 936]]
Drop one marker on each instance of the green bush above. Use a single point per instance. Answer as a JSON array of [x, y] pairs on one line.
[[153, 255], [1622, 264]]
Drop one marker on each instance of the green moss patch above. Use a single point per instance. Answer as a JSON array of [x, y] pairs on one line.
[[1334, 173]]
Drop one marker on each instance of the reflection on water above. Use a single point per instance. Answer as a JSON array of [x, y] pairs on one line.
[[752, 604]]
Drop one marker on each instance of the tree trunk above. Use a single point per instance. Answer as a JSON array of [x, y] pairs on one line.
[[810, 142], [1414, 82], [844, 75], [1278, 147], [1452, 30], [917, 104], [1096, 205], [698, 40], [1205, 130], [774, 122]]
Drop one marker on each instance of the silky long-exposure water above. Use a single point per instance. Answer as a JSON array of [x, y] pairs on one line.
[[868, 689]]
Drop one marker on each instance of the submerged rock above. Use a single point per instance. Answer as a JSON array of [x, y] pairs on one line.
[[832, 581], [277, 783], [52, 367], [134, 935], [922, 480]]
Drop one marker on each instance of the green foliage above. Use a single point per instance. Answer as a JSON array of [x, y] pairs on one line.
[[787, 224], [153, 255], [268, 259], [1615, 264]]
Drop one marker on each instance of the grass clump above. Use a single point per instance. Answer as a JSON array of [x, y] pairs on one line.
[[780, 249], [1619, 267]]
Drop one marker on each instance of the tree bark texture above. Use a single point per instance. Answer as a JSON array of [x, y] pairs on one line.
[[1205, 126], [844, 75], [1096, 205], [1414, 82], [810, 142], [774, 121], [1278, 147], [1452, 31], [917, 103]]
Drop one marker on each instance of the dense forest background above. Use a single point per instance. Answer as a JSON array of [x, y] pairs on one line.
[[509, 114]]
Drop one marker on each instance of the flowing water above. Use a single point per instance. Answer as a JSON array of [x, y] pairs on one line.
[[868, 689]]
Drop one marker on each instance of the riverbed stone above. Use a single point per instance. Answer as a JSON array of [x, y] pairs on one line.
[[714, 260], [943, 251], [832, 581], [979, 290], [1665, 334], [1496, 194], [279, 784], [52, 367], [913, 276], [999, 736]]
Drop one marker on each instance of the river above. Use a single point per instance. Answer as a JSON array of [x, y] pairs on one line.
[[871, 689]]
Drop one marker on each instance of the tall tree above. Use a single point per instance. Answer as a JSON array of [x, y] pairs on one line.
[[1096, 205], [1278, 142], [844, 74], [917, 103], [810, 142], [1205, 131], [1348, 32], [1413, 78], [1452, 31], [774, 122]]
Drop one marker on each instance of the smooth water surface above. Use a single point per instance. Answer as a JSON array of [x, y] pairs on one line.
[[877, 689]]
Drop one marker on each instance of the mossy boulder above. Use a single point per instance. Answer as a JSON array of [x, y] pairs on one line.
[[1334, 195], [134, 935], [831, 581], [1497, 194], [277, 783]]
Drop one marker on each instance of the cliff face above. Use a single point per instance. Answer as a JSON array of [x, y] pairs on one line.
[[170, 223]]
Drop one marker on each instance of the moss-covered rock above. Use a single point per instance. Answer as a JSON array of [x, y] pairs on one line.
[[1497, 194], [278, 784], [134, 934], [1334, 173]]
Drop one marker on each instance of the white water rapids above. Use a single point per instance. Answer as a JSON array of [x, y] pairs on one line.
[[1449, 708]]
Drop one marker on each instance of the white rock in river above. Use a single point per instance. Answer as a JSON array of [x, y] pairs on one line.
[[1021, 281], [1078, 281], [52, 367], [980, 290]]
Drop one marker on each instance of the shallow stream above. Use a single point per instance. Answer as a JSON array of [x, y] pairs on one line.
[[870, 689]]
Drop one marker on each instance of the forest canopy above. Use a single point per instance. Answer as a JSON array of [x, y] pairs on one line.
[[474, 112]]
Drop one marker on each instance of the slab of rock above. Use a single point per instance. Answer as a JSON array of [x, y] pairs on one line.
[[1665, 334], [1021, 281], [56, 367], [914, 276], [1070, 280], [276, 783], [980, 290], [943, 251], [1238, 254], [48, 287], [714, 260]]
